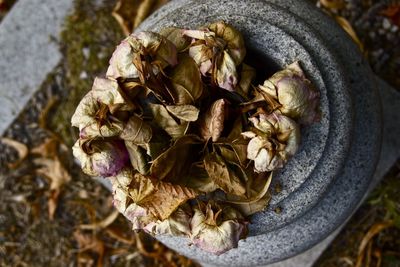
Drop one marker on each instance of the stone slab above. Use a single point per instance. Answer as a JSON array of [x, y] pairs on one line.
[[28, 52]]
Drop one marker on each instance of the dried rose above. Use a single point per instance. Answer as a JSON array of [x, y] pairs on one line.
[[97, 113], [218, 49], [295, 93], [139, 49], [275, 139], [178, 224], [101, 158], [216, 229]]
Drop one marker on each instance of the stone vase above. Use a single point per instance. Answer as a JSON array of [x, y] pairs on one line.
[[325, 181]]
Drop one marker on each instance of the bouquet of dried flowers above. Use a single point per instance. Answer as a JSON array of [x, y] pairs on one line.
[[188, 143]]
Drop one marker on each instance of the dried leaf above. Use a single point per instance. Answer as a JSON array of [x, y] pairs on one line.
[[247, 75], [92, 243], [53, 170], [157, 198], [373, 231], [137, 156], [129, 14], [101, 224], [176, 36], [172, 164], [136, 131], [199, 179], [222, 176], [21, 149], [333, 4], [257, 198], [44, 113], [184, 112], [166, 122], [345, 24], [212, 123], [186, 81]]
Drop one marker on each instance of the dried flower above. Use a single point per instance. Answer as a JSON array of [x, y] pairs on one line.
[[273, 141], [140, 51], [295, 93], [216, 229], [101, 158], [217, 50], [97, 113]]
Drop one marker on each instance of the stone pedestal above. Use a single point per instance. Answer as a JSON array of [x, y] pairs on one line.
[[326, 180]]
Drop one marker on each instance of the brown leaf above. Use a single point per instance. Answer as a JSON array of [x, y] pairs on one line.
[[89, 242], [333, 4], [101, 224], [186, 81], [129, 14], [247, 75], [137, 156], [53, 170], [175, 35], [158, 198], [44, 113], [257, 199], [21, 149], [212, 123], [373, 231], [166, 122], [184, 112], [223, 176], [166, 199], [171, 164], [137, 131], [345, 24]]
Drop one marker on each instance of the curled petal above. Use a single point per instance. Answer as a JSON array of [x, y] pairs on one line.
[[227, 77], [108, 92], [277, 140], [160, 49], [298, 97], [121, 62], [219, 237], [101, 158]]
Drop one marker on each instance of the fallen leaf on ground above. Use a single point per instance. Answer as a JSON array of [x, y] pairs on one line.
[[21, 149], [53, 169], [89, 242], [332, 4], [345, 24], [372, 232], [130, 13], [101, 224]]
